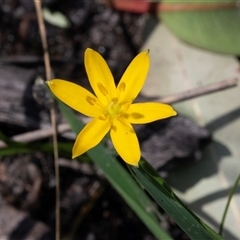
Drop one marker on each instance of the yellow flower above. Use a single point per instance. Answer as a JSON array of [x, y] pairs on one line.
[[111, 107]]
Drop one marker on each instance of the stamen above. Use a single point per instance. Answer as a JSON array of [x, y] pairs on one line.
[[90, 100], [102, 117], [137, 115], [111, 104], [125, 106], [102, 89], [114, 128], [122, 87], [114, 100], [125, 115]]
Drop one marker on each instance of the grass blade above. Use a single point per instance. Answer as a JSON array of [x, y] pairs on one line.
[[228, 203], [165, 197], [120, 179]]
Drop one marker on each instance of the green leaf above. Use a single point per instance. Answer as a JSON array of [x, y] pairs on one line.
[[216, 30], [120, 179], [165, 197], [20, 147], [16, 148], [13, 147], [13, 150], [55, 18], [4, 138], [233, 190]]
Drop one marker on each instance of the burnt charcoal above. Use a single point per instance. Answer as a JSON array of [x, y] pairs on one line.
[[25, 100], [111, 212], [28, 183], [17, 102], [18, 225], [170, 143]]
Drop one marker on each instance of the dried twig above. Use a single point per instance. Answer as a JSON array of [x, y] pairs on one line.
[[178, 97], [52, 111], [37, 134], [200, 91]]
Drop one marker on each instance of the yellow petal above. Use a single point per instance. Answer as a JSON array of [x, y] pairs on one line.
[[139, 113], [125, 141], [100, 76], [76, 97], [134, 77], [90, 136]]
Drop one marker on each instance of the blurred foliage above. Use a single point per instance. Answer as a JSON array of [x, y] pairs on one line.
[[214, 27], [57, 19]]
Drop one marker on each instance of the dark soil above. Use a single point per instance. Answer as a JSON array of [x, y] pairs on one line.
[[90, 207]]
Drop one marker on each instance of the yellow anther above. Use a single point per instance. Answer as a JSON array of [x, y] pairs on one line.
[[122, 87], [90, 100], [102, 89], [102, 117], [137, 115]]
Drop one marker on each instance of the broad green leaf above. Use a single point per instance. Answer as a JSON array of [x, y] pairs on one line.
[[120, 179], [165, 197], [55, 18], [216, 30]]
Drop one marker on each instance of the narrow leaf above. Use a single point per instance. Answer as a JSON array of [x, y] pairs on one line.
[[165, 197], [120, 180]]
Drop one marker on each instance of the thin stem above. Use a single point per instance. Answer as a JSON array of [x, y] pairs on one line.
[[52, 113], [228, 203]]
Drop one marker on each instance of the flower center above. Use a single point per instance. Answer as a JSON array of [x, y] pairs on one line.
[[113, 110]]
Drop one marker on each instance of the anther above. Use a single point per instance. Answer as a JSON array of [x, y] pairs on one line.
[[102, 89], [137, 115], [122, 87], [90, 100], [102, 117]]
